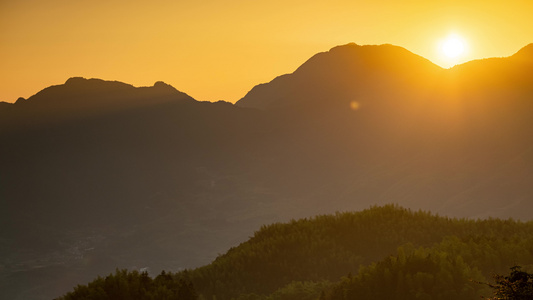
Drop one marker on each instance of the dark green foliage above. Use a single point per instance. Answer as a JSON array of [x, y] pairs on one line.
[[133, 285], [330, 246], [517, 286], [296, 290], [421, 274]]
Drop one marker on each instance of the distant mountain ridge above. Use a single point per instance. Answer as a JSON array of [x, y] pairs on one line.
[[351, 70], [345, 71], [80, 98]]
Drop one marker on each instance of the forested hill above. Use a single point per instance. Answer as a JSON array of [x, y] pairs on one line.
[[404, 252]]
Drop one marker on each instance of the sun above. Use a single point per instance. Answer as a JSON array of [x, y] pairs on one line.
[[453, 46]]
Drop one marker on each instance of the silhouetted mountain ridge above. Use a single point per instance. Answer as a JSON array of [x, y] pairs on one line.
[[508, 79], [80, 98], [342, 74]]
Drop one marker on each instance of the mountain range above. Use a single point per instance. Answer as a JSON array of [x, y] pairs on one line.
[[100, 174]]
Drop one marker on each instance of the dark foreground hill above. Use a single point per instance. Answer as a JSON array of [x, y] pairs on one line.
[[91, 167], [386, 253]]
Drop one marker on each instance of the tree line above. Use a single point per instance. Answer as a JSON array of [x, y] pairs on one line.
[[386, 252]]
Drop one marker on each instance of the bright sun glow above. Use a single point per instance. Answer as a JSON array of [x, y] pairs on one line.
[[453, 46]]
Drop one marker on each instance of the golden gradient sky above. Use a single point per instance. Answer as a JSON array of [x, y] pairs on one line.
[[216, 50]]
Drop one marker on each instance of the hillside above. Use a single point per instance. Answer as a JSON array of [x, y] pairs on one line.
[[392, 252]]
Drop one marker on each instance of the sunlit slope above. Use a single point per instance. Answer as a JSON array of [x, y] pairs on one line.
[[344, 74], [501, 75], [394, 126], [348, 72], [326, 247]]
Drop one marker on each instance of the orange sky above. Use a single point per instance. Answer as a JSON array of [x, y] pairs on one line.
[[216, 50]]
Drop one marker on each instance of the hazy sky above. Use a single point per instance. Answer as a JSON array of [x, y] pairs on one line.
[[216, 50]]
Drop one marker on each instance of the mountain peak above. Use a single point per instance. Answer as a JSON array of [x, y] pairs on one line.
[[163, 87], [81, 82], [161, 84], [80, 97], [349, 45], [342, 73], [75, 80], [355, 46]]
